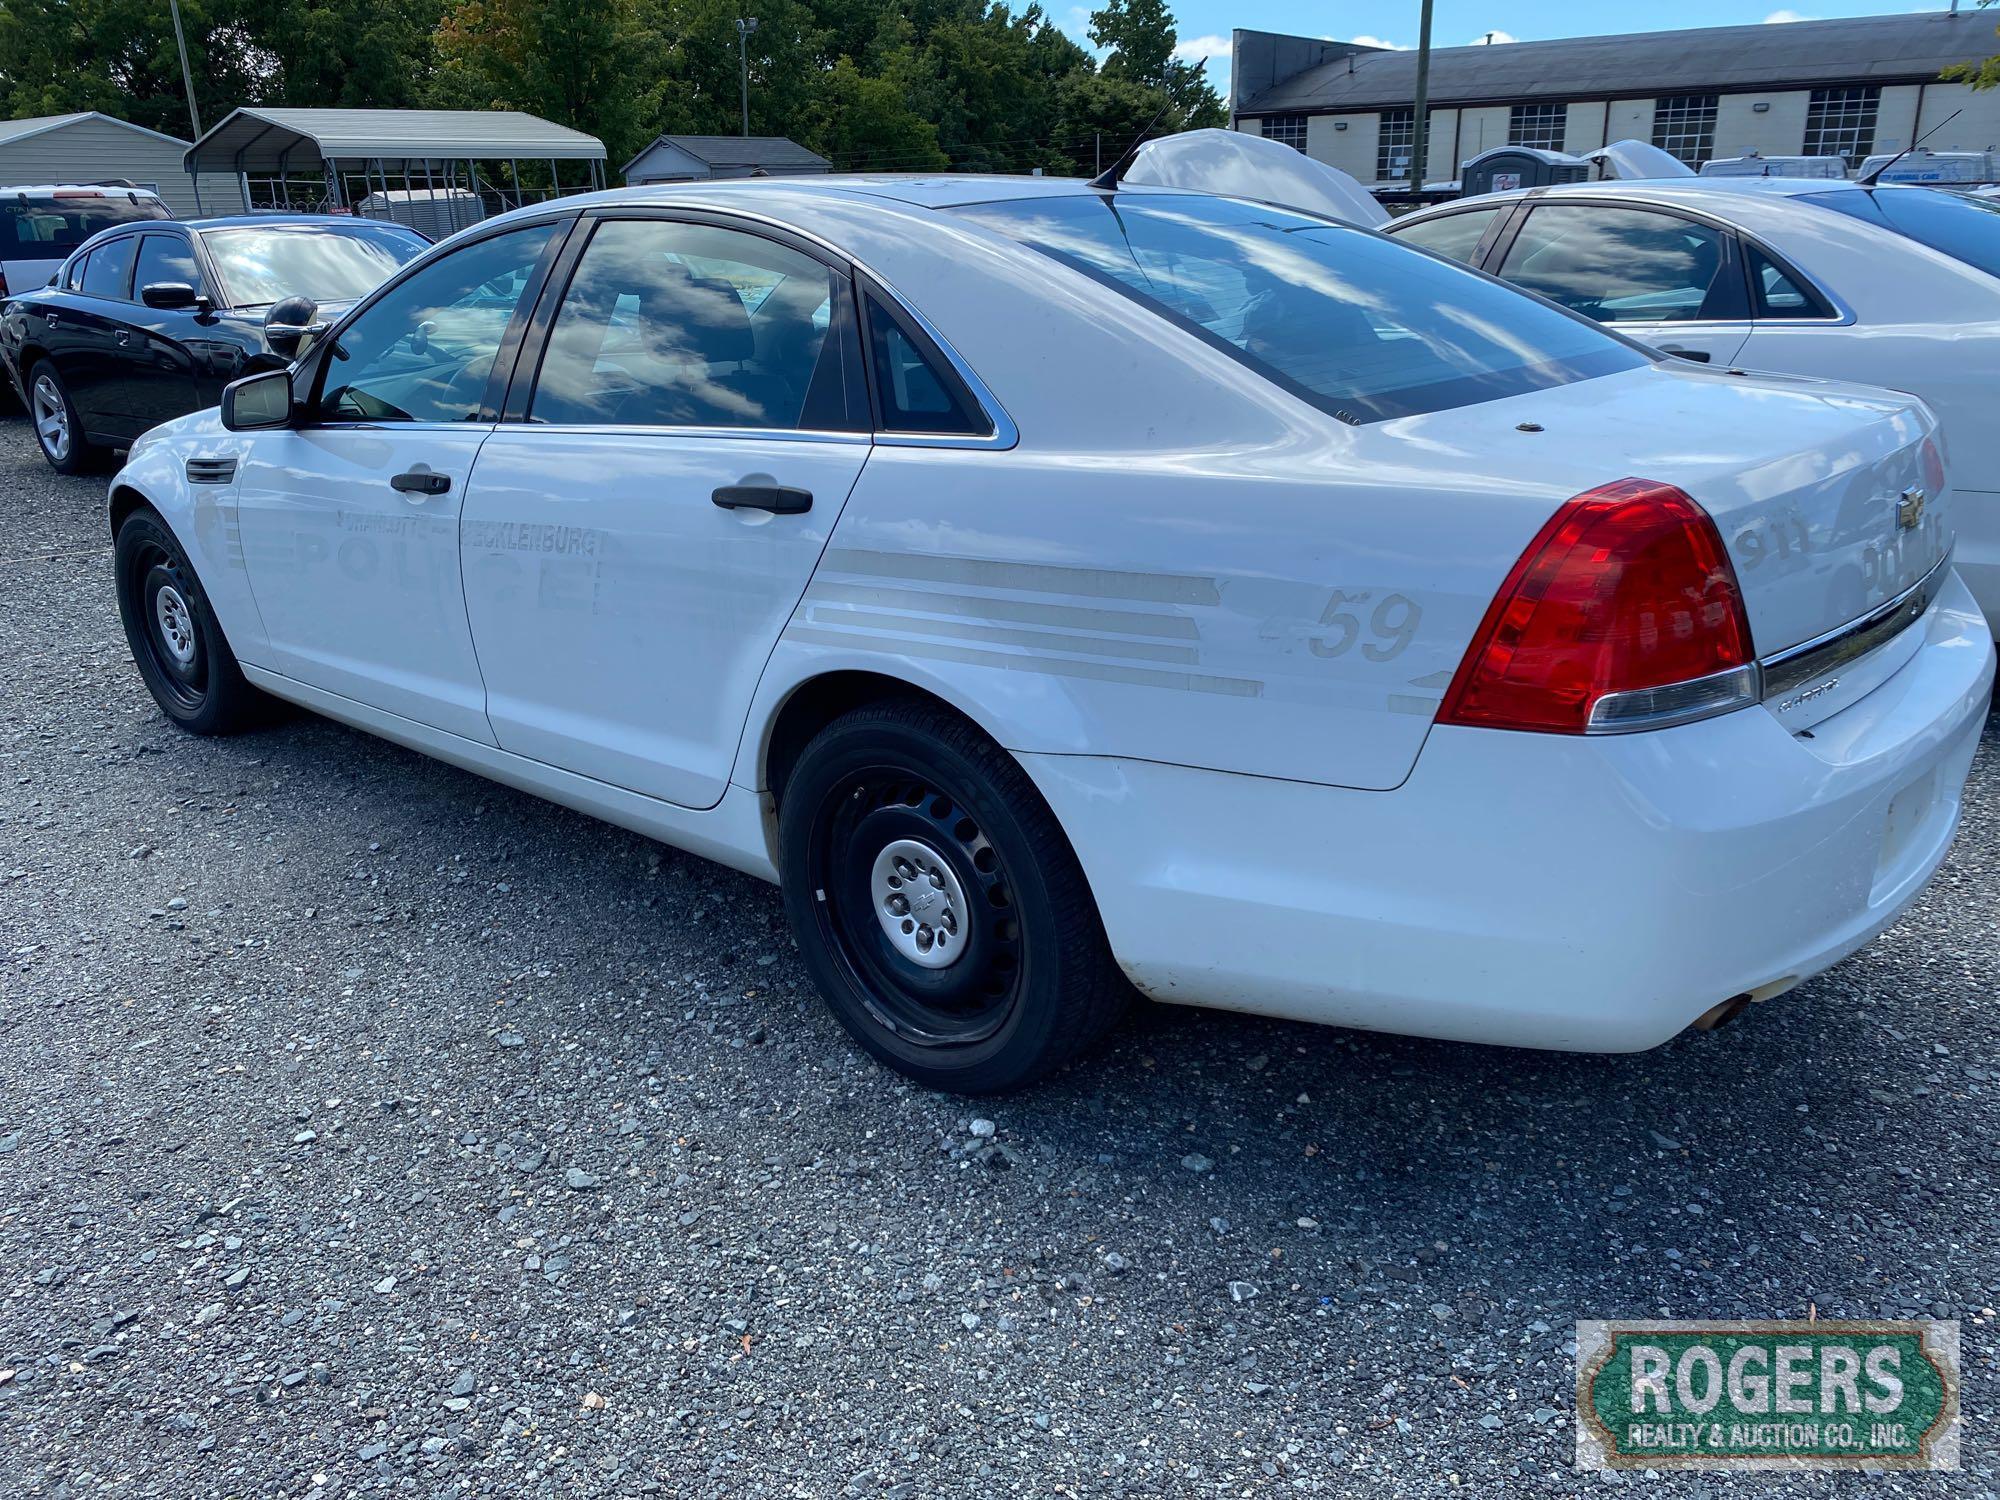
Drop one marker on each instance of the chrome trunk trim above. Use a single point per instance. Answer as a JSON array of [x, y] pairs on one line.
[[1825, 656]]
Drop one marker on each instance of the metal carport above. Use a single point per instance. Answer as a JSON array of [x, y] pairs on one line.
[[334, 159]]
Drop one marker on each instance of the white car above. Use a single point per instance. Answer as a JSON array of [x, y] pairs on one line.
[[1053, 588], [1896, 286]]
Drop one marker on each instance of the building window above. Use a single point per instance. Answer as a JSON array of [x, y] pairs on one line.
[[1395, 140], [1290, 129], [1841, 122], [1538, 125], [1684, 125]]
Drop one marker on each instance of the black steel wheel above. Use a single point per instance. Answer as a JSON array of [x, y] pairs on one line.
[[176, 643], [941, 910]]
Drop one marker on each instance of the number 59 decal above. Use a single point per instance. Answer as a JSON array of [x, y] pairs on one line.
[[1391, 626]]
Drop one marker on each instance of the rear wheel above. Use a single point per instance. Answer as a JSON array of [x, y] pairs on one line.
[[939, 907], [58, 428], [178, 646]]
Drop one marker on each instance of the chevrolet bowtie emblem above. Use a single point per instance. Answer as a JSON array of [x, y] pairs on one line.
[[1910, 508]]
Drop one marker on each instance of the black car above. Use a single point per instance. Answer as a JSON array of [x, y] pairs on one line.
[[147, 322]]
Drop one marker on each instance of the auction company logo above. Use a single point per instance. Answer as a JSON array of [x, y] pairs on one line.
[[1745, 1395]]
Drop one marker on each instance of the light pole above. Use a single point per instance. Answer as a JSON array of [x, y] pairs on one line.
[[1420, 143], [744, 26]]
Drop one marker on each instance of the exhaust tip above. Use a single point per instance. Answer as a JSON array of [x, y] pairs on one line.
[[1721, 1015]]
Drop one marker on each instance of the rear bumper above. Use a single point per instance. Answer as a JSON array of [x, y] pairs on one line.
[[1593, 894], [1978, 553]]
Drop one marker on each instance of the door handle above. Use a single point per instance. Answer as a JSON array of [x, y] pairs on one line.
[[421, 482], [124, 337], [1699, 356], [54, 319], [776, 498]]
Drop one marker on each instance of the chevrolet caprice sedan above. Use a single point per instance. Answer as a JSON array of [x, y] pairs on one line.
[[1061, 591]]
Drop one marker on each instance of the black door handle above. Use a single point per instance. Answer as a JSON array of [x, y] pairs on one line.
[[1699, 356], [776, 498], [421, 482]]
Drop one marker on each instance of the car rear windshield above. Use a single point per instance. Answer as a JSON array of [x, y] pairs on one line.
[[1966, 229], [328, 263], [1354, 323], [47, 226]]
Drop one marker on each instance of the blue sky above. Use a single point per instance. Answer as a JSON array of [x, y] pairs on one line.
[[1204, 24]]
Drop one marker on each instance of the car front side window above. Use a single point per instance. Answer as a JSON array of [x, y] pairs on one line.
[[167, 259], [1620, 265], [424, 350], [669, 324]]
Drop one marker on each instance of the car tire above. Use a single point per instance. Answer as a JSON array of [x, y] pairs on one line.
[[58, 429], [900, 811], [178, 646]]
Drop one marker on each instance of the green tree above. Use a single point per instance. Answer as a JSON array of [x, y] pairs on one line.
[[1141, 39], [1984, 74]]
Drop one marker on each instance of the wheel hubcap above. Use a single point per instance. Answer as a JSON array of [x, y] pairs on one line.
[[176, 624], [51, 419], [920, 904]]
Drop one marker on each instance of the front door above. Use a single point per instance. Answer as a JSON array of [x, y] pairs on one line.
[[350, 521], [157, 381], [635, 546], [1665, 280]]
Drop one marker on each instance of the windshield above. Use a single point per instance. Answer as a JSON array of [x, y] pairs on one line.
[[1966, 229], [328, 263], [1354, 323], [47, 226]]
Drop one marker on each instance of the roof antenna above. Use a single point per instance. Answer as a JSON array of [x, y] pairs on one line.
[[1107, 180], [1869, 179]]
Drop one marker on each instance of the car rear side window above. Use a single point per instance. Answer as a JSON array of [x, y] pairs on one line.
[[166, 258], [1454, 236], [1781, 293], [1620, 265], [109, 273], [1965, 228], [915, 388], [1343, 318], [669, 324]]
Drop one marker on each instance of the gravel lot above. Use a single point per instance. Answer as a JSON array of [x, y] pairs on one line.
[[365, 1127]]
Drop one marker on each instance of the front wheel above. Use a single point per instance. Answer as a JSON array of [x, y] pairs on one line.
[[179, 648], [939, 907]]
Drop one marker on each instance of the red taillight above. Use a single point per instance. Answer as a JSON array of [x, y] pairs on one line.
[[1623, 613]]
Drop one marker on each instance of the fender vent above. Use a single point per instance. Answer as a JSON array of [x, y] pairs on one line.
[[211, 470]]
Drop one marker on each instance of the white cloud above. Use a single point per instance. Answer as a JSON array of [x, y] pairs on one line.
[[1372, 41], [1190, 49], [1780, 17], [1496, 37]]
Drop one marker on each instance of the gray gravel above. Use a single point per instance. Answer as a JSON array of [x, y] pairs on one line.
[[365, 1127]]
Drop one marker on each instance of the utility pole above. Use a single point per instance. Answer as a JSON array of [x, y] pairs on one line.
[[744, 26], [1420, 142], [194, 115], [187, 77]]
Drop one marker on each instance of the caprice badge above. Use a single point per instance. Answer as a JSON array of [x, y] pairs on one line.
[[1910, 508]]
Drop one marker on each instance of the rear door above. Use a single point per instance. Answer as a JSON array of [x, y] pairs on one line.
[[636, 538], [91, 337], [1662, 278]]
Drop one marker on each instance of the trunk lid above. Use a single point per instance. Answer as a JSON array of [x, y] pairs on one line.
[[1825, 494]]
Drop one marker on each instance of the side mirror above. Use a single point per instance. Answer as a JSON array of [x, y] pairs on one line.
[[290, 324], [171, 296], [258, 402]]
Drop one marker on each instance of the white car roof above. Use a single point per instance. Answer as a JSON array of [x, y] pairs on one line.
[[1716, 194]]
